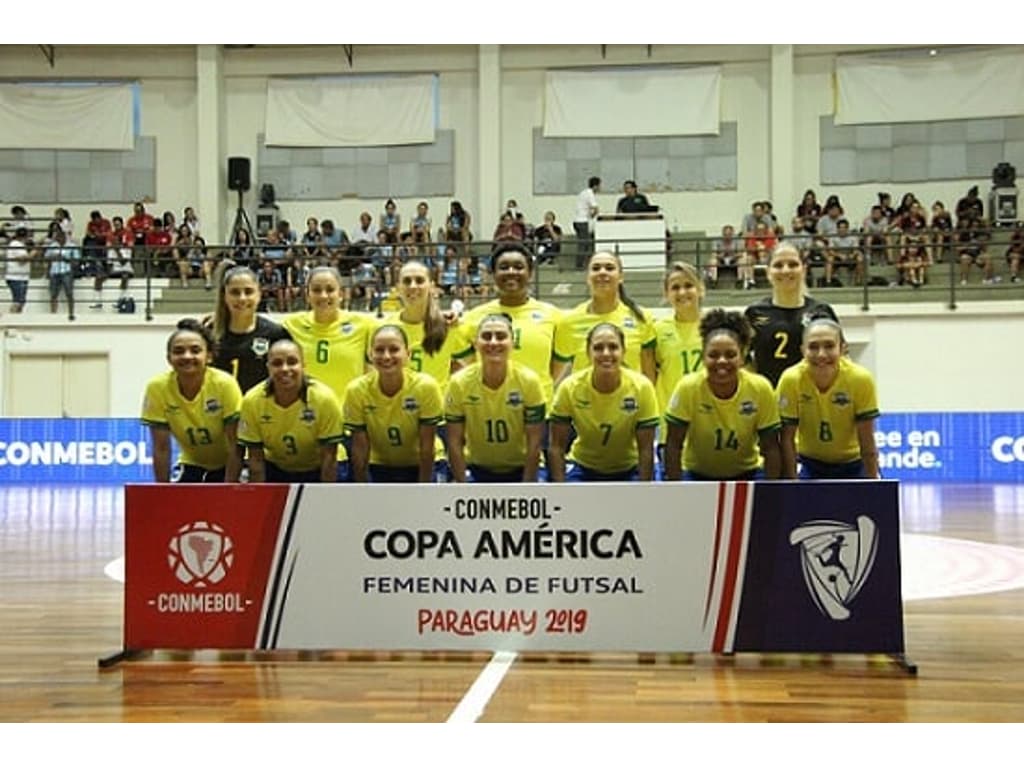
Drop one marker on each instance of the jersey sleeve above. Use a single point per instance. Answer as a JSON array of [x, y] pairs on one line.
[[648, 415], [352, 411], [565, 341], [865, 397], [648, 334], [789, 397], [330, 425], [232, 399], [679, 408], [767, 408], [431, 405], [533, 396], [153, 406], [454, 402], [561, 408]]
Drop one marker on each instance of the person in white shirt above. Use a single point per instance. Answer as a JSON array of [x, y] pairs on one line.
[[18, 269], [583, 221]]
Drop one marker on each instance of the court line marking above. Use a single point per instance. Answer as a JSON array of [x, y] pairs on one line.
[[483, 688]]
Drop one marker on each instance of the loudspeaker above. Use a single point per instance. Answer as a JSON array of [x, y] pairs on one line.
[[238, 173], [1004, 175]]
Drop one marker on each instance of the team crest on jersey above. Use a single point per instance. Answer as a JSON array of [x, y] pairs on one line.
[[536, 316], [841, 398], [747, 408], [760, 320], [629, 404], [212, 405], [260, 346], [307, 415], [836, 559], [346, 328], [582, 403], [409, 404], [266, 418], [473, 400], [628, 323], [514, 399], [805, 398], [171, 408], [706, 408]]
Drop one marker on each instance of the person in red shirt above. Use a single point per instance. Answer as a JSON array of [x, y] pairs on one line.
[[159, 250], [140, 223], [759, 245], [94, 244]]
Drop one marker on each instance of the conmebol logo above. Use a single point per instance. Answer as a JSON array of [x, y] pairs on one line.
[[200, 554], [836, 559]]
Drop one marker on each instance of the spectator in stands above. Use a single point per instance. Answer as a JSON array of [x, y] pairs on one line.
[[875, 236], [1015, 251], [972, 248], [583, 220], [390, 222], [120, 252], [757, 215], [295, 276], [63, 217], [828, 225], [421, 224], [20, 220], [904, 210], [61, 255], [970, 207], [726, 253], [942, 231], [632, 201], [365, 233], [803, 242], [159, 249], [275, 249], [512, 207], [19, 267], [914, 237], [833, 200], [509, 228], [189, 217], [457, 225], [773, 220], [912, 264], [140, 223], [335, 242], [809, 207], [170, 223], [548, 239], [243, 250], [885, 203], [312, 239], [94, 245], [758, 247], [286, 233], [272, 287], [844, 251], [192, 257]]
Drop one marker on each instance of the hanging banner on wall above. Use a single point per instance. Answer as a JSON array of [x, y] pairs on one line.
[[695, 567]]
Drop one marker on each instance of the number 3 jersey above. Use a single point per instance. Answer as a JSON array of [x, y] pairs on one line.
[[197, 424], [722, 435]]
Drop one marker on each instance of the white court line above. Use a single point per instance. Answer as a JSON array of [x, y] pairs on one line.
[[480, 692]]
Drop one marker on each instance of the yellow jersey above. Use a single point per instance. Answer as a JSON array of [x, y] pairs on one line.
[[197, 424], [606, 423], [291, 437], [334, 353], [439, 364], [827, 421], [393, 423], [679, 352], [722, 435], [495, 419], [533, 336], [574, 325]]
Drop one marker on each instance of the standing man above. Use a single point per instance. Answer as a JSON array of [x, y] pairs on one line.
[[632, 201], [583, 222], [61, 254]]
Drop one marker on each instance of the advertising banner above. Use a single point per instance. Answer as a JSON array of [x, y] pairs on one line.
[[579, 567]]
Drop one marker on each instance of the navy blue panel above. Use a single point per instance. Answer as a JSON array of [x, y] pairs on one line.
[[778, 611]]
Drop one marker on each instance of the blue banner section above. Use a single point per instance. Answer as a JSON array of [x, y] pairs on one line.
[[952, 447], [87, 451], [825, 574], [917, 447]]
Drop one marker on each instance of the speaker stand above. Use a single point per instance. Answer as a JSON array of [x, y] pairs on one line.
[[242, 222]]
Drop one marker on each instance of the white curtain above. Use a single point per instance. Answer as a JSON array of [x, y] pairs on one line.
[[66, 117], [355, 112], [655, 101], [949, 86]]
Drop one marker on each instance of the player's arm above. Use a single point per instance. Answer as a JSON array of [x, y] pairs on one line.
[[359, 456], [556, 451], [426, 452], [674, 449], [534, 436], [161, 452], [648, 363], [328, 462], [787, 446], [868, 449], [769, 443], [233, 469], [645, 449], [257, 464], [456, 435]]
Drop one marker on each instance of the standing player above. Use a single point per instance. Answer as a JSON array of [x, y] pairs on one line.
[[242, 337], [290, 423], [608, 304], [533, 321], [199, 406], [393, 413], [678, 351], [614, 411], [723, 413], [494, 411], [778, 321], [829, 406]]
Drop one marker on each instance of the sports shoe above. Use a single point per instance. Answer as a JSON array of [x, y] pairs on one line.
[[95, 306], [1015, 279], [963, 282]]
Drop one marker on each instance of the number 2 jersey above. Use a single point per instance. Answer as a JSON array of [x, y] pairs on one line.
[[197, 424], [778, 332]]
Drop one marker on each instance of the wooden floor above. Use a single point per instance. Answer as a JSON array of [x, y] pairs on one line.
[[59, 613]]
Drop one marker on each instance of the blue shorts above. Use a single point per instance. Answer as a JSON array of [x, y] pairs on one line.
[[754, 474], [812, 469], [19, 291], [580, 474]]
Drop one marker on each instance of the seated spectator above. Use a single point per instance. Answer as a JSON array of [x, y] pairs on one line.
[[296, 273], [159, 249], [632, 201], [191, 257], [809, 207], [725, 255], [757, 215], [312, 238], [400, 254], [828, 225], [970, 207], [885, 203], [833, 200], [189, 217], [1015, 251], [803, 242], [243, 250], [421, 225], [875, 237], [120, 243], [844, 251], [548, 239], [457, 225], [140, 223], [773, 220], [285, 232], [942, 231], [508, 228], [972, 249], [390, 222], [758, 249], [275, 249], [272, 287], [906, 206], [914, 233], [379, 255], [365, 232], [335, 241], [912, 265]]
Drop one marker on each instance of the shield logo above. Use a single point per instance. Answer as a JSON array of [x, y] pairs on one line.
[[260, 346], [200, 554], [836, 559]]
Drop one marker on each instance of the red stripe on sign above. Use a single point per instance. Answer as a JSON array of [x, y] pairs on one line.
[[714, 559], [739, 505]]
